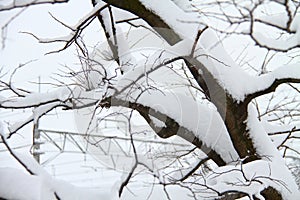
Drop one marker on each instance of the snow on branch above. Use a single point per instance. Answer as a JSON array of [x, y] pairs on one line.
[[153, 18], [185, 24], [31, 166], [269, 82], [36, 99], [171, 128], [210, 53], [179, 108], [277, 168], [249, 179], [274, 44], [287, 20], [37, 113], [222, 67], [107, 21], [39, 182]]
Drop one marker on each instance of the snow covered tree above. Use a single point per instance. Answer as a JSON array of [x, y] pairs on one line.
[[169, 61]]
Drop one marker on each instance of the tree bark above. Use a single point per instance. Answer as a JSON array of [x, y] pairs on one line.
[[235, 121]]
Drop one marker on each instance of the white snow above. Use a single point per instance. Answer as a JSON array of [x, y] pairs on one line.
[[184, 24], [35, 99], [280, 19], [277, 139], [295, 24], [250, 178], [276, 164], [213, 55], [183, 106], [41, 186], [223, 68], [267, 41], [15, 184], [206, 122], [37, 113]]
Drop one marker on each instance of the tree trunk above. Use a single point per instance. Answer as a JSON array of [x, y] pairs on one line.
[[235, 121]]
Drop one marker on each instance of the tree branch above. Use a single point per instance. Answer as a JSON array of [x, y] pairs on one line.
[[154, 20], [172, 127], [271, 88]]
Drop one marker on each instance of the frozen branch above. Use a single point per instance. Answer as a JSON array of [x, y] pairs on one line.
[[172, 127], [270, 81]]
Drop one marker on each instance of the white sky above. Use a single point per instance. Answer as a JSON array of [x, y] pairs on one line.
[[21, 48]]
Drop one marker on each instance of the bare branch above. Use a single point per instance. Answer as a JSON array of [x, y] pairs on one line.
[[76, 30]]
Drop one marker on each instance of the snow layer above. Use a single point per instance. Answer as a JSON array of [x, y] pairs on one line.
[[203, 120], [37, 113], [127, 61], [211, 53], [265, 147], [15, 184], [250, 178], [220, 64], [185, 24], [35, 99]]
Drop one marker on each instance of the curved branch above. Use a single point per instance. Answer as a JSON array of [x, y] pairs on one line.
[[172, 127], [271, 88], [154, 20]]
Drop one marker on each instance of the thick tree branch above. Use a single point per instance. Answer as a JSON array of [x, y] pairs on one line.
[[172, 127], [154, 20], [211, 86]]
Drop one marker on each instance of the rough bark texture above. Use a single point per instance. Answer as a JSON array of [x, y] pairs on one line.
[[271, 194], [235, 121]]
